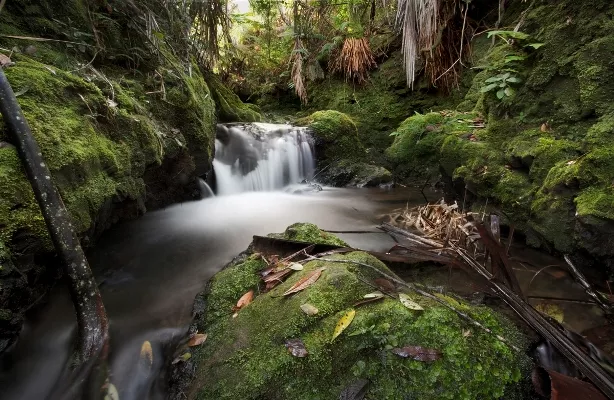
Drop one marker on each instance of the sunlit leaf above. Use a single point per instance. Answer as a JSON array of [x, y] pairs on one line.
[[305, 282], [182, 358], [147, 353], [296, 347], [296, 267], [244, 300], [343, 323], [418, 353], [309, 309], [409, 303], [197, 339]]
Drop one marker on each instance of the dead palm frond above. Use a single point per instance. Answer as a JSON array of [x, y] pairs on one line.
[[354, 60], [298, 79], [418, 22]]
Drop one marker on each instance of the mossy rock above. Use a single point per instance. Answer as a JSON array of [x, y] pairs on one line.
[[245, 357], [229, 106], [309, 233], [336, 135], [355, 174]]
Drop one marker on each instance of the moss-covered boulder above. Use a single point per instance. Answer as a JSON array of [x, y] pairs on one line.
[[245, 356], [341, 155], [229, 106]]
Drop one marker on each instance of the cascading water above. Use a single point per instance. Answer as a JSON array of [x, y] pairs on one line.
[[261, 157]]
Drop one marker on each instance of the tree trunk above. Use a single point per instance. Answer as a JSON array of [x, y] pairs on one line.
[[92, 340]]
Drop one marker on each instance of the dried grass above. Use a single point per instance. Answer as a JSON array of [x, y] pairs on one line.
[[354, 60], [298, 79]]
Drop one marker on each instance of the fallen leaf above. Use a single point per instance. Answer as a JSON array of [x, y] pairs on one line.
[[309, 309], [296, 347], [385, 285], [5, 60], [197, 339], [184, 357], [244, 300], [572, 162], [296, 267], [277, 276], [147, 353], [343, 323], [112, 393], [266, 272], [418, 353], [409, 303], [545, 127], [376, 295], [355, 390], [367, 301], [305, 282], [466, 333]]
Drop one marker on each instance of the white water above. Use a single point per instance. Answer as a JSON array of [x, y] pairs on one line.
[[261, 157]]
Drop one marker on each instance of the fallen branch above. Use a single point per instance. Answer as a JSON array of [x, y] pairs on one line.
[[603, 302]]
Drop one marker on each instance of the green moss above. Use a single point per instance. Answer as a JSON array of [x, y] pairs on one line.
[[598, 202], [245, 357], [97, 149], [306, 232], [230, 107]]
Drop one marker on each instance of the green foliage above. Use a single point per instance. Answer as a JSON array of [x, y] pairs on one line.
[[502, 85]]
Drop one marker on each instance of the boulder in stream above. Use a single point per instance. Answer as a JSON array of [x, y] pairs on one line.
[[246, 356]]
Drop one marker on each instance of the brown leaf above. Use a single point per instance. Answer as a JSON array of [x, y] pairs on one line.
[[296, 347], [5, 60], [278, 276], [197, 339], [305, 282], [418, 353], [385, 284], [244, 300]]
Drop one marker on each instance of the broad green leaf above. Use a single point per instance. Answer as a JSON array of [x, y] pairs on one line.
[[509, 59], [343, 323], [509, 91], [489, 87], [500, 94], [493, 79], [509, 34], [535, 45], [514, 79], [409, 303]]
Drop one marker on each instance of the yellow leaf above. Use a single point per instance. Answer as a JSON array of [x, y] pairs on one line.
[[343, 323], [147, 353], [409, 303]]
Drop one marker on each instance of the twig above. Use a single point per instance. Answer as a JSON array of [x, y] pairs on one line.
[[599, 299], [88, 64], [460, 55], [590, 303]]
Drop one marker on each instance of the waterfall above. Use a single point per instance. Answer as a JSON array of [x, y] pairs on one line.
[[261, 157], [205, 189]]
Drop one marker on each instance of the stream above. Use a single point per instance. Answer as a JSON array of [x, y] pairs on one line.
[[151, 269]]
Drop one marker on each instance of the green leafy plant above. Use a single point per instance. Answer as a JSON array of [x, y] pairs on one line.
[[502, 84]]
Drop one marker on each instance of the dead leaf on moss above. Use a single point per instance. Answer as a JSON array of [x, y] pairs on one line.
[[244, 301], [343, 323], [409, 303], [197, 339], [296, 347], [309, 309], [305, 282], [385, 285]]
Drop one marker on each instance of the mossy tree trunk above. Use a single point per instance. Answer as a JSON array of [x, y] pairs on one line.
[[92, 340]]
